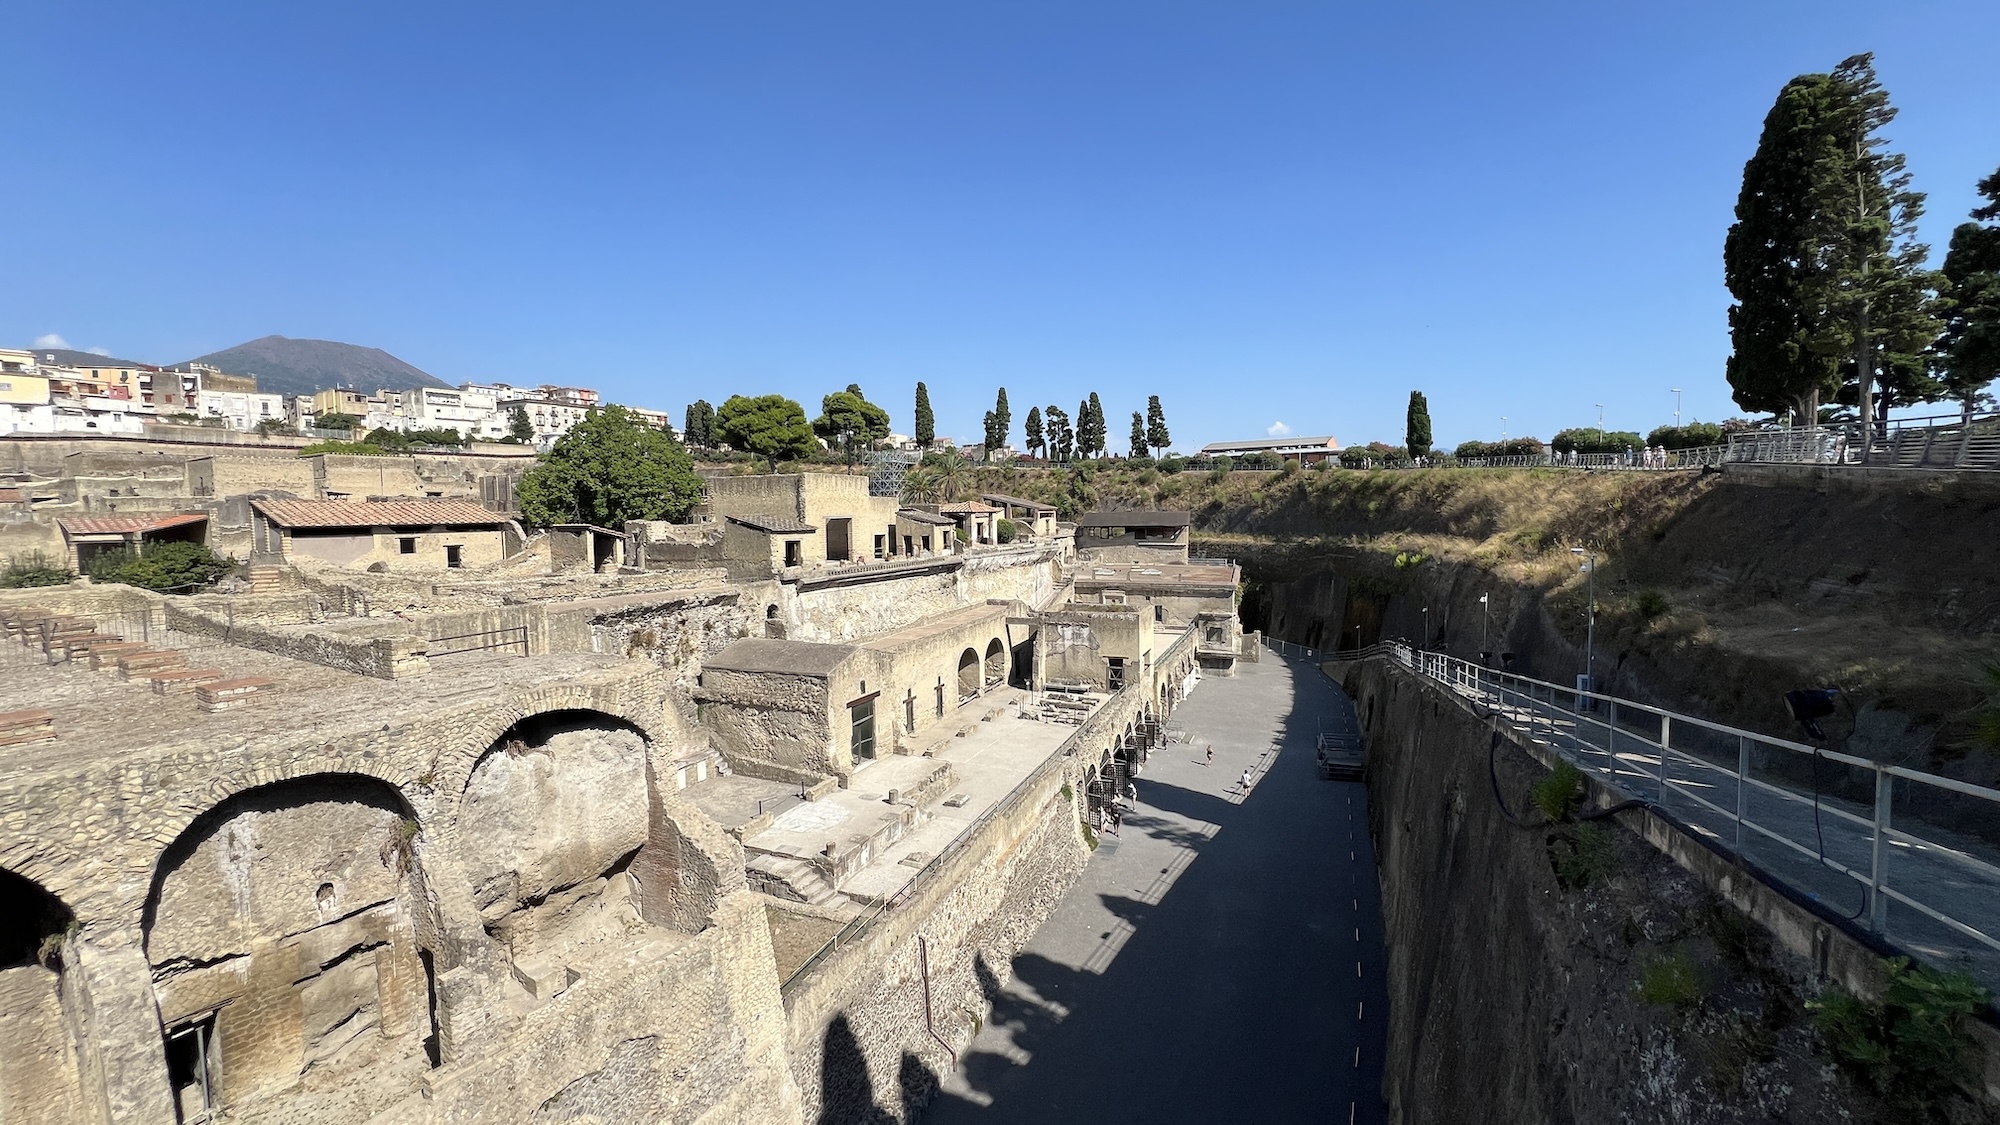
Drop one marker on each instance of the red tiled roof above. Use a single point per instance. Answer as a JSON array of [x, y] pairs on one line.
[[13, 496], [126, 525], [971, 507], [376, 513]]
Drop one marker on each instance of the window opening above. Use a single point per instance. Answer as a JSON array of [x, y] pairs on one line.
[[406, 545], [454, 557], [861, 716], [191, 1067]]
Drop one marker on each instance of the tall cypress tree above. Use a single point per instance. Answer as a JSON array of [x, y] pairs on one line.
[[1889, 300], [1417, 426], [1138, 434], [1037, 444], [1060, 435], [1968, 351], [699, 430], [1156, 426], [1090, 428], [926, 421], [1003, 422], [1787, 335]]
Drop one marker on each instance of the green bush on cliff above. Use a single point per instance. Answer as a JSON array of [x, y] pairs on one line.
[[33, 570], [172, 568], [1670, 981], [1910, 1046], [1559, 792]]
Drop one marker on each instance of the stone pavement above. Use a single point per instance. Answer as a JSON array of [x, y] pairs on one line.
[[1221, 960]]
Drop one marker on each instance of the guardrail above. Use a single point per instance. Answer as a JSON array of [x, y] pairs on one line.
[[1953, 441], [514, 639], [1821, 821]]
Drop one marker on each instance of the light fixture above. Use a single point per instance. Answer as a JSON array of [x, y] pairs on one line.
[[1808, 706]]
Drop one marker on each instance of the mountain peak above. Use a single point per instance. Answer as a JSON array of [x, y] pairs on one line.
[[300, 367]]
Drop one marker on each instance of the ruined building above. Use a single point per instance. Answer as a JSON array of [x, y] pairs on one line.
[[671, 822]]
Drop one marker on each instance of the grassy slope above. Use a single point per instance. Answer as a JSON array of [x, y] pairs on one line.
[[1715, 592]]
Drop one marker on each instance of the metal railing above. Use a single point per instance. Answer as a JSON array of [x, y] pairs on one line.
[[1823, 822], [1951, 441]]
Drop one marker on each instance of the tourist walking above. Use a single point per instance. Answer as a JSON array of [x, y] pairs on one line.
[[1246, 781], [1211, 755]]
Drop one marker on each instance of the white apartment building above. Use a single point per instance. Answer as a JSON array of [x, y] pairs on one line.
[[472, 411], [550, 419], [243, 410]]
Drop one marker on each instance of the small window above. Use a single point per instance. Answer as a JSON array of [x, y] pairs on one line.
[[794, 554], [861, 717], [454, 557], [407, 545], [927, 542], [1159, 613], [1115, 672], [191, 1066]]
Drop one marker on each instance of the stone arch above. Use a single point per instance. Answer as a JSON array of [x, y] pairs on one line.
[[968, 673], [40, 1081], [286, 932], [996, 662], [550, 819]]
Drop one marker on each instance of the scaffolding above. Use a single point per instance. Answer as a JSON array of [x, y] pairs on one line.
[[886, 468]]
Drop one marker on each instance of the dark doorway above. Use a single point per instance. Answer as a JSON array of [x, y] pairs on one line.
[[191, 1067], [454, 557], [861, 720], [837, 539]]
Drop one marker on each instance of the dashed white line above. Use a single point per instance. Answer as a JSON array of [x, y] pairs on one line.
[[1357, 1010], [1357, 1058], [1357, 968]]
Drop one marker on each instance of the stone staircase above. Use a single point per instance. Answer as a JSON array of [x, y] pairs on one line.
[[76, 641], [793, 879]]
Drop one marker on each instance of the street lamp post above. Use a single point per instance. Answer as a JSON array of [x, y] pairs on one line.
[[1588, 681], [1485, 625], [1677, 408], [1503, 429], [1600, 415], [1425, 641]]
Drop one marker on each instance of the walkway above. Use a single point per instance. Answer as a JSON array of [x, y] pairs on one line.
[[1219, 961]]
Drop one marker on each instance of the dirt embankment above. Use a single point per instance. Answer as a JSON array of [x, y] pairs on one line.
[[1715, 593]]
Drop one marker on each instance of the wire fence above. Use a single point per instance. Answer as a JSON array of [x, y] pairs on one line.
[[1954, 441], [1911, 855]]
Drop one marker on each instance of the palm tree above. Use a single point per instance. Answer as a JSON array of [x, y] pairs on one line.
[[951, 472], [920, 486]]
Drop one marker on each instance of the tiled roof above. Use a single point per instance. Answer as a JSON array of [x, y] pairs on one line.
[[918, 515], [13, 496], [966, 507], [125, 525], [1267, 444], [775, 525], [377, 513]]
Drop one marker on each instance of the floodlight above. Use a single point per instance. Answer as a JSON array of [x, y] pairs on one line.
[[1808, 706]]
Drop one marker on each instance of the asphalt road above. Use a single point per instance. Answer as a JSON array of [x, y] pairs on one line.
[[1221, 960]]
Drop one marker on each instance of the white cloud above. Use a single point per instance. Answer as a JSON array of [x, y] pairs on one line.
[[1277, 429], [51, 341], [98, 351]]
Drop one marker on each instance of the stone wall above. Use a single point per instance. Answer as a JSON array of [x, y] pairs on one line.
[[1512, 993], [324, 886], [387, 650]]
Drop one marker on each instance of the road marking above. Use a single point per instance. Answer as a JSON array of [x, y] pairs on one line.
[[1350, 1113], [1357, 933], [1357, 968], [1357, 1058]]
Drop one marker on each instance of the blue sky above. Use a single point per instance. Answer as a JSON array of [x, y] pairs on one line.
[[1264, 213]]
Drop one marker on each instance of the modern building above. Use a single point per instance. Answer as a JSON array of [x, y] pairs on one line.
[[243, 410], [1039, 518], [1307, 450]]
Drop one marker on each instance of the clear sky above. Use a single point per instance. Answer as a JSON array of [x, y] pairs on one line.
[[1267, 214]]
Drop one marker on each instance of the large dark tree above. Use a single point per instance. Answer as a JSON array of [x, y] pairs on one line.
[[1157, 435], [1033, 428], [1138, 434], [771, 426], [1968, 352], [1061, 438], [518, 426], [926, 421], [699, 431], [1890, 294], [849, 420], [1831, 294], [1417, 426], [1786, 334], [1090, 427], [609, 468], [999, 422]]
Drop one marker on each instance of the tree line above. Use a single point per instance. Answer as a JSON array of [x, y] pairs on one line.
[[1833, 300]]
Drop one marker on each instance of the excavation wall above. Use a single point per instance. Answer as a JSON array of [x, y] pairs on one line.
[[1514, 979]]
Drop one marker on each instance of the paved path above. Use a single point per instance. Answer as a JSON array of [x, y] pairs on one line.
[[1935, 866], [1221, 961]]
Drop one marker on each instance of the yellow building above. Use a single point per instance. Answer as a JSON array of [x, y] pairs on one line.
[[23, 390]]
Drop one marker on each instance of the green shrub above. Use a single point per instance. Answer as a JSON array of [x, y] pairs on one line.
[[1652, 604], [1582, 854], [168, 567], [33, 570], [1670, 981], [352, 448], [1559, 792], [1910, 1046], [1006, 531], [1172, 465]]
